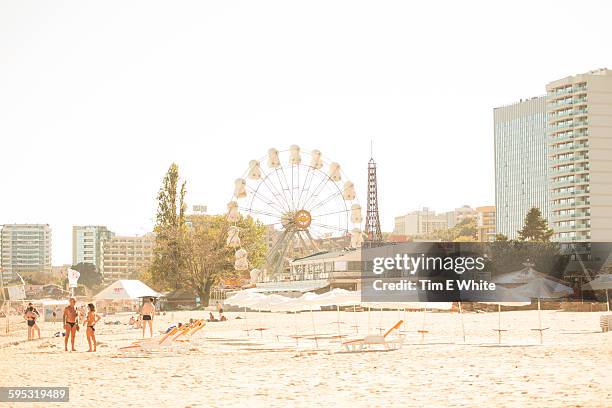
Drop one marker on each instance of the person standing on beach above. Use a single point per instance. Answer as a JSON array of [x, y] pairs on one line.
[[148, 311], [31, 314], [220, 310], [91, 320], [71, 318]]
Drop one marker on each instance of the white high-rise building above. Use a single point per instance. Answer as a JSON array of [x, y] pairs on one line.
[[25, 248], [87, 243], [521, 180], [579, 113]]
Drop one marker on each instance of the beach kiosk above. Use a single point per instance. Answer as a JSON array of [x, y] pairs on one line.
[[123, 295]]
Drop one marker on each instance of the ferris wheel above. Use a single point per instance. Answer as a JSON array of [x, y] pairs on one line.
[[301, 198]]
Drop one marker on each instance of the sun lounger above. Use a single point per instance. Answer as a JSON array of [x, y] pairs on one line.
[[152, 344], [194, 333], [373, 340], [174, 339]]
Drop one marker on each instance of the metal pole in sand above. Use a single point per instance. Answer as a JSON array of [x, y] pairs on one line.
[[368, 319], [607, 300], [246, 324], [498, 323], [462, 323], [314, 330], [295, 320], [540, 322], [423, 327], [338, 323], [355, 316]]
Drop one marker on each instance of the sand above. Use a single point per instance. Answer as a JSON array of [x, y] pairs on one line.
[[227, 368]]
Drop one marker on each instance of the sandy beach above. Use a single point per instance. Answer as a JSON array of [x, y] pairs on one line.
[[267, 368]]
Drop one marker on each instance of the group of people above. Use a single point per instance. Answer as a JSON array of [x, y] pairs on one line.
[[222, 318], [72, 318]]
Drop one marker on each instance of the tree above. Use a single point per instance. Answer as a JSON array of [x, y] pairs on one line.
[[511, 255], [535, 228], [168, 259], [464, 231], [90, 277], [208, 259]]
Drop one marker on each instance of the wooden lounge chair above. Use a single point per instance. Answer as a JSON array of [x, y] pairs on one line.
[[373, 340], [193, 334]]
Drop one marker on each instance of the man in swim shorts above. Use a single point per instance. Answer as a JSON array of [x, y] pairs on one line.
[[148, 311], [71, 318]]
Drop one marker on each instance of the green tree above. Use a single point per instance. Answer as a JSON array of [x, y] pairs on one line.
[[208, 259], [464, 231], [511, 255], [168, 256], [535, 228], [90, 277]]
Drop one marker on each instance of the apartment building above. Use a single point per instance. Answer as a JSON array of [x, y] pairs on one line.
[[87, 244], [579, 118], [25, 248], [126, 257], [485, 223], [420, 222], [521, 166]]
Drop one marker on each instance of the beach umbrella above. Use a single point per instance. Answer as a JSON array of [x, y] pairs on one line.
[[306, 302], [602, 282], [244, 299], [533, 284], [338, 297], [499, 330]]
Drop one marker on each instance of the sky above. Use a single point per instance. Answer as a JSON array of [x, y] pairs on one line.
[[97, 99]]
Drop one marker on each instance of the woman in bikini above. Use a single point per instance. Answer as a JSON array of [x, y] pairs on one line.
[[31, 315], [91, 320], [71, 318]]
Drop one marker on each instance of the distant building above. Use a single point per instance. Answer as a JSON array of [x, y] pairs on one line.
[[125, 257], [579, 112], [553, 152], [485, 223], [459, 214], [420, 222], [87, 244], [520, 163], [25, 248]]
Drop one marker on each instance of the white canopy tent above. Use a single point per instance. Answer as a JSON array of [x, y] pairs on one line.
[[126, 289]]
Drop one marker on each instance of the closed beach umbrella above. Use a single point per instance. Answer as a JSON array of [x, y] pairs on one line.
[[602, 282], [533, 284]]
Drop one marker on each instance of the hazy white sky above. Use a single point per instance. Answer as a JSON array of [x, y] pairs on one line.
[[98, 98]]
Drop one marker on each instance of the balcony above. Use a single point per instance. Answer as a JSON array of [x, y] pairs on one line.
[[561, 137], [562, 160], [580, 100]]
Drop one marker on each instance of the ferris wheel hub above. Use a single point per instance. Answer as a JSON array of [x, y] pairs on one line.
[[302, 219]]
